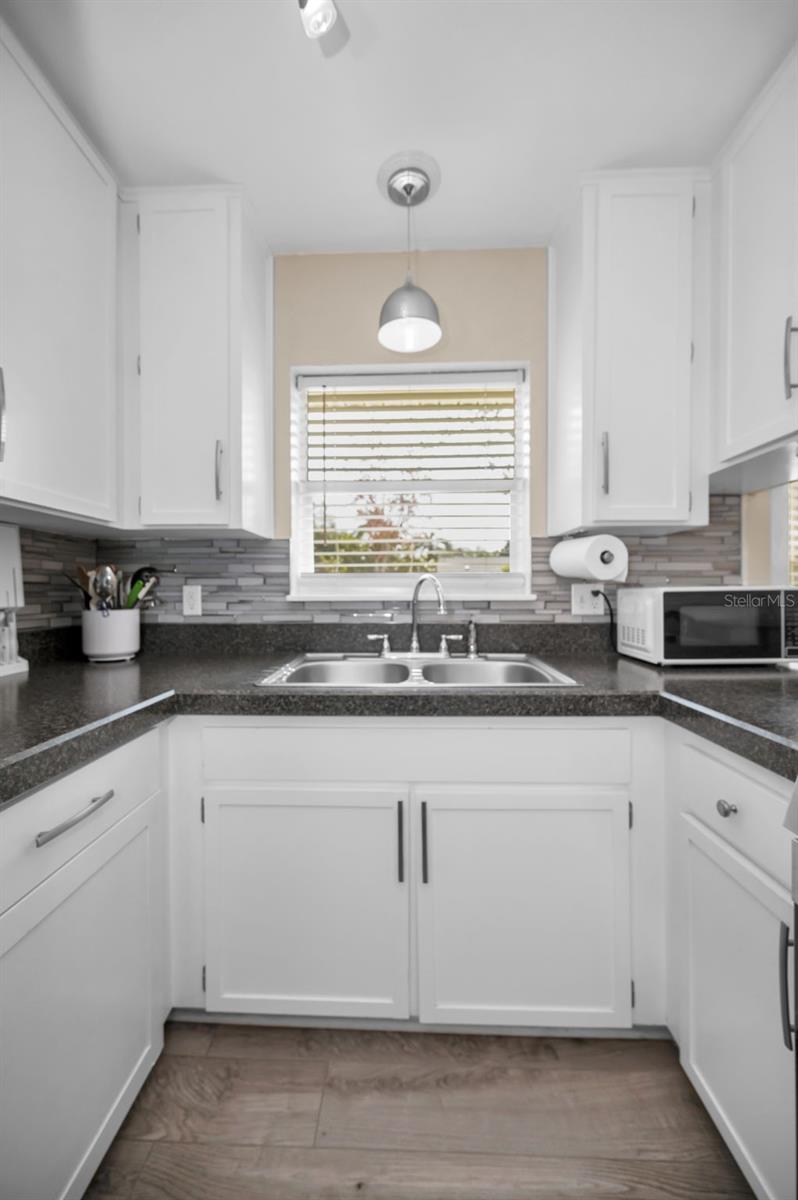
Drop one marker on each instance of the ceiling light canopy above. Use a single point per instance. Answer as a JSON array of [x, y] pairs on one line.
[[318, 16], [409, 319]]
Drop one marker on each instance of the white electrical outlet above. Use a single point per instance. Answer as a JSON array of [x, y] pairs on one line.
[[584, 603], [192, 600]]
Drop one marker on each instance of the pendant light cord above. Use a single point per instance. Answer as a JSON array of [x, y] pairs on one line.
[[324, 460]]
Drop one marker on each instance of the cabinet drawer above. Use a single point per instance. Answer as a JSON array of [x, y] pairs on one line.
[[756, 828], [430, 753], [132, 772]]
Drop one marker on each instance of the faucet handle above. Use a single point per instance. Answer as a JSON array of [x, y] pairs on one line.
[[446, 638], [385, 638]]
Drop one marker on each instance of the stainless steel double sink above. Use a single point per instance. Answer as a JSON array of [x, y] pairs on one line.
[[416, 671]]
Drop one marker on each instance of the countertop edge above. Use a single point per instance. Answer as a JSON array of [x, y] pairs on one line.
[[44, 764], [41, 764]]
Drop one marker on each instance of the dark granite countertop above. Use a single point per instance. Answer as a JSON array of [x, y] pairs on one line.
[[68, 712]]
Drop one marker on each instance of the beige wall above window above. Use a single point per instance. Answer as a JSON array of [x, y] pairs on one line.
[[493, 306]]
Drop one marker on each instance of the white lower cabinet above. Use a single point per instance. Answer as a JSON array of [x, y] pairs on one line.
[[733, 1048], [523, 906], [307, 900], [419, 891], [80, 1017], [729, 906]]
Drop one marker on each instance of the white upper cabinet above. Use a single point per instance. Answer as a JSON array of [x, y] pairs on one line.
[[627, 407], [196, 330], [757, 273], [57, 303]]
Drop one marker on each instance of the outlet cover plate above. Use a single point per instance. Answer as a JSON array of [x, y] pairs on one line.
[[192, 600], [584, 603]]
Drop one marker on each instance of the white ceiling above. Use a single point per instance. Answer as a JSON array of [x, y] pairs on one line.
[[514, 98]]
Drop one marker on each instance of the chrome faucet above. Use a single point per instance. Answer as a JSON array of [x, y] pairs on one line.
[[433, 579], [472, 639]]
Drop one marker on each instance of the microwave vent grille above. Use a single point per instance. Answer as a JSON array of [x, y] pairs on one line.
[[633, 635]]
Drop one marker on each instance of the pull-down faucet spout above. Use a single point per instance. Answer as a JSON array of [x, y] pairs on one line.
[[433, 579]]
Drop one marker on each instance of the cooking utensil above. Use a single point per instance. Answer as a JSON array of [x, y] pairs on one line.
[[86, 596], [105, 585], [148, 586], [133, 595], [143, 574], [85, 578]]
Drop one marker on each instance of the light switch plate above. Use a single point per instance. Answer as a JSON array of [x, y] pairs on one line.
[[192, 600], [584, 603]]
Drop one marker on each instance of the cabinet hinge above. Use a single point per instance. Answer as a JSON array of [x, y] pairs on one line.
[[633, 993], [204, 978], [138, 364], [202, 809], [631, 815], [689, 501], [138, 222], [692, 352], [693, 205]]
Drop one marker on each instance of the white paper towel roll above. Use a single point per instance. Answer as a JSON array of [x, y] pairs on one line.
[[601, 557]]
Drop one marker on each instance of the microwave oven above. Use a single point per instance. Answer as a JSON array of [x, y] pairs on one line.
[[717, 626]]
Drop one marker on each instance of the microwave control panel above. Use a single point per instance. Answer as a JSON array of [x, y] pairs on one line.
[[790, 623]]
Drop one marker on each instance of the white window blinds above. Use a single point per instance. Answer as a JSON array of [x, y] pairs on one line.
[[398, 479]]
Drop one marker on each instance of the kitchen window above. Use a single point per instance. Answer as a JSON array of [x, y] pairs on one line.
[[397, 474], [792, 534]]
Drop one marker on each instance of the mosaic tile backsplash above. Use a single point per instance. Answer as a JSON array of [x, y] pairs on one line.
[[246, 580]]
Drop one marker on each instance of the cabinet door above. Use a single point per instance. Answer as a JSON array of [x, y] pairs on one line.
[[759, 273], [307, 900], [76, 1030], [732, 1045], [523, 906], [642, 331], [57, 306], [184, 321]]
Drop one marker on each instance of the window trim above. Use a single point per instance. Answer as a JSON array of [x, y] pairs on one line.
[[516, 585]]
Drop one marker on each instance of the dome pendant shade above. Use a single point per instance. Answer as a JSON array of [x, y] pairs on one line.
[[409, 320]]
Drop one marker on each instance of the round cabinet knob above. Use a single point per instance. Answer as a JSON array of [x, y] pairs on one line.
[[725, 809]]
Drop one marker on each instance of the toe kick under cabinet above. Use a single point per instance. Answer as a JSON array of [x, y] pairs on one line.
[[460, 873]]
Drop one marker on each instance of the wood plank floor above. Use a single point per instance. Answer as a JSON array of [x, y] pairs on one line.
[[247, 1113]]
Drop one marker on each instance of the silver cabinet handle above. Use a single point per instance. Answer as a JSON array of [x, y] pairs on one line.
[[605, 463], [50, 834], [725, 809], [789, 386], [217, 467], [785, 942], [400, 839], [424, 847], [2, 415]]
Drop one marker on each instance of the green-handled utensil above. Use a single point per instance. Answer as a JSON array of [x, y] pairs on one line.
[[133, 594]]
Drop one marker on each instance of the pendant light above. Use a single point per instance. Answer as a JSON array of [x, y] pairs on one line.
[[318, 17], [409, 320]]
